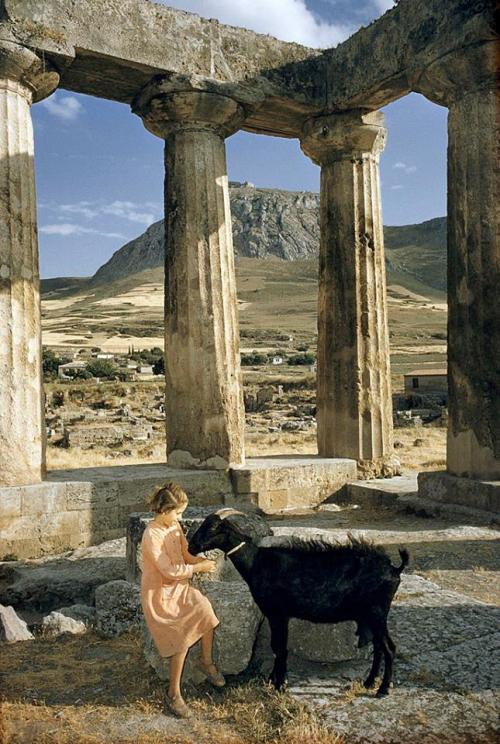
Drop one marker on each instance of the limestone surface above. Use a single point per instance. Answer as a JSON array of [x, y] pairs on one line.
[[12, 627], [57, 623], [118, 607]]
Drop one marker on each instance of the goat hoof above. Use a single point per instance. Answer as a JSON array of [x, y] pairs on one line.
[[382, 693], [369, 682], [278, 684]]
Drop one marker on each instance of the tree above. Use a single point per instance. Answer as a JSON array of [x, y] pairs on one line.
[[306, 358], [159, 366], [50, 364], [102, 368]]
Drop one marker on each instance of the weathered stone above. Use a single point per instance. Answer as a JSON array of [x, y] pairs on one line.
[[354, 408], [448, 489], [51, 583], [277, 483], [12, 627], [320, 642], [57, 623], [118, 608], [204, 399], [80, 612], [22, 433], [473, 447]]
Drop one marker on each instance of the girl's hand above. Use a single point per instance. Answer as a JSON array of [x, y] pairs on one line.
[[205, 566]]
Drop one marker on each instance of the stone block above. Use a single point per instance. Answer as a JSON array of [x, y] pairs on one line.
[[118, 608], [42, 499], [451, 489], [81, 612], [10, 502], [83, 495], [56, 623], [324, 642], [12, 627], [278, 483]]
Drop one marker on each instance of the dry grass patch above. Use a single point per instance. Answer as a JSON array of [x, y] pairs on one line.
[[89, 690]]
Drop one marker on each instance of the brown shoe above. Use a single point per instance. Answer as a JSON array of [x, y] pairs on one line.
[[212, 674], [178, 707]]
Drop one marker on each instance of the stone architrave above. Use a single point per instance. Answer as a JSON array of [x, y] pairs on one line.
[[354, 408], [23, 79], [204, 401], [467, 82]]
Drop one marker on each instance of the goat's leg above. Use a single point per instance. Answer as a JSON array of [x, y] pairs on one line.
[[377, 659], [389, 650], [279, 643]]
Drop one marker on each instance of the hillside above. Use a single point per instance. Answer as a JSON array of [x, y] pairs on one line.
[[285, 224], [276, 239]]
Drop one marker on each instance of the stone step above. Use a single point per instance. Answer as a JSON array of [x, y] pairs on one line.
[[380, 491]]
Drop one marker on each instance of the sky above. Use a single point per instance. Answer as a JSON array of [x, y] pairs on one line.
[[99, 173]]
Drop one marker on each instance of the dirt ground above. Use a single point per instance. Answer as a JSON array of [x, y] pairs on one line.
[[88, 690]]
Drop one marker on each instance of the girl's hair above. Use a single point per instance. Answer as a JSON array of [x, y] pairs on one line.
[[167, 497]]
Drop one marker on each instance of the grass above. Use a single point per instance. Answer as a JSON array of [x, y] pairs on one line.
[[89, 690]]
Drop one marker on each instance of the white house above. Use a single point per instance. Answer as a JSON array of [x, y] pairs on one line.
[[277, 360]]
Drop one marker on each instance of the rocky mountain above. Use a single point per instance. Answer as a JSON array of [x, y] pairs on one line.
[[285, 224]]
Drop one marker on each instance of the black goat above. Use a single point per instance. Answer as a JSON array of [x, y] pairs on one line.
[[312, 580]]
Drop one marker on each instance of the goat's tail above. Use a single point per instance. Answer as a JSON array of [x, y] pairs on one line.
[[405, 559]]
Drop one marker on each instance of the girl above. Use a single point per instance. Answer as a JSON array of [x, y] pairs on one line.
[[176, 613]]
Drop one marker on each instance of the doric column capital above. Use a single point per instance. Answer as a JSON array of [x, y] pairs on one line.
[[470, 69], [164, 111], [342, 136], [22, 69]]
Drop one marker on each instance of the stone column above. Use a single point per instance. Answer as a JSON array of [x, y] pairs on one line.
[[204, 400], [467, 83], [23, 79], [354, 409]]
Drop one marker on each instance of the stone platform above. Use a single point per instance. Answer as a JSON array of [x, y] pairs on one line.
[[282, 482], [81, 507], [468, 492]]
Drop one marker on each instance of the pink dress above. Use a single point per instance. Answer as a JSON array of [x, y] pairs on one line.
[[176, 613]]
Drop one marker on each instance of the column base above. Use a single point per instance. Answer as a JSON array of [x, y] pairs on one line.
[[185, 460], [382, 467], [451, 489]]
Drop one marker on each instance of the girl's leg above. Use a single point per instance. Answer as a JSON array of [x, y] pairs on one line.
[[206, 663], [206, 647], [176, 667]]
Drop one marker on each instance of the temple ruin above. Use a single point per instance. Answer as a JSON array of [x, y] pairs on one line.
[[194, 82]]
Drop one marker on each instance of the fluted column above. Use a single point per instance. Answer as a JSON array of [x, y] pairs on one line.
[[467, 83], [23, 79], [204, 401], [354, 409]]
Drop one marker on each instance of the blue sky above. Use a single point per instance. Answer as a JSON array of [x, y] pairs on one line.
[[100, 173]]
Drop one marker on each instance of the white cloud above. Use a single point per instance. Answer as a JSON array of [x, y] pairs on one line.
[[383, 5], [406, 168], [143, 213], [80, 208], [289, 20], [397, 187], [63, 107], [67, 228], [129, 211]]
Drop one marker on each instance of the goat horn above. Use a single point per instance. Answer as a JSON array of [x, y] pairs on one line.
[[228, 512]]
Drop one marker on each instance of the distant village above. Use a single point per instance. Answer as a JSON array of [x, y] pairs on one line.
[[147, 364]]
